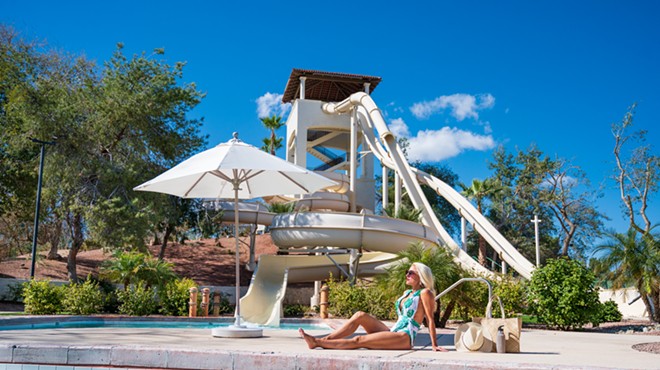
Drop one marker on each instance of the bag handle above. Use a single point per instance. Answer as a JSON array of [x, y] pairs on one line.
[[489, 307]]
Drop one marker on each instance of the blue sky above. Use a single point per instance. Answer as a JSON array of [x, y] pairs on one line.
[[475, 74]]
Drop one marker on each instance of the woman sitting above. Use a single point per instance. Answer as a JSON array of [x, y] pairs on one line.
[[412, 307]]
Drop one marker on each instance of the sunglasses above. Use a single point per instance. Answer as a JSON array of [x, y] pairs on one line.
[[410, 273]]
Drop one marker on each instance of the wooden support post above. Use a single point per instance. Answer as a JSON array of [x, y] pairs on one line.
[[192, 305], [216, 303], [206, 294], [325, 290]]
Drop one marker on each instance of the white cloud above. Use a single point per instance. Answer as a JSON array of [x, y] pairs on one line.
[[487, 128], [461, 106], [269, 104], [399, 128], [565, 181], [437, 145], [392, 105]]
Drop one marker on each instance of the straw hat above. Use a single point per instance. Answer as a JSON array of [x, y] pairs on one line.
[[471, 337]]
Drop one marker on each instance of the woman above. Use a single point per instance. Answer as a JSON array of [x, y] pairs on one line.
[[412, 307]]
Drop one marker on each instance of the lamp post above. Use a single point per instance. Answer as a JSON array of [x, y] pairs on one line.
[[536, 239], [36, 212]]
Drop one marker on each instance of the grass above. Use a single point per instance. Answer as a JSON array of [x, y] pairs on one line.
[[12, 313]]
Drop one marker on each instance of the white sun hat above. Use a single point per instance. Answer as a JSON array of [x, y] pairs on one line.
[[471, 337]]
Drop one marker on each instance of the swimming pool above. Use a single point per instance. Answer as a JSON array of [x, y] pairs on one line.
[[138, 322]]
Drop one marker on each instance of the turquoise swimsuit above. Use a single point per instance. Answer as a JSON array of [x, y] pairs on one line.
[[406, 323]]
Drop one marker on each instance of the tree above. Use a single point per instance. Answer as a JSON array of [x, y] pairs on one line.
[[117, 126], [272, 123], [579, 221], [563, 294], [637, 173], [403, 213], [554, 189], [134, 127], [520, 176], [39, 93], [480, 191], [633, 260], [176, 213]]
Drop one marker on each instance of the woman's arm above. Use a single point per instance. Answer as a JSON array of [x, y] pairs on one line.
[[428, 302]]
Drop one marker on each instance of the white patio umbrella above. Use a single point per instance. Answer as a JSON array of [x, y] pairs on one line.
[[235, 170]]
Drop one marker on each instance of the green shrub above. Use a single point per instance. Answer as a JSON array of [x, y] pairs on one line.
[[607, 312], [83, 299], [174, 298], [563, 294], [109, 291], [14, 293], [472, 300], [42, 298], [512, 293], [381, 303], [295, 310], [111, 303], [138, 300], [346, 299], [225, 306]]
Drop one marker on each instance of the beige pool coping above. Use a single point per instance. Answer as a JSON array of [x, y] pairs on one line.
[[284, 349]]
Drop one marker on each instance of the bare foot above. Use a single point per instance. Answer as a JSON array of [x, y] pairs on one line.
[[311, 341]]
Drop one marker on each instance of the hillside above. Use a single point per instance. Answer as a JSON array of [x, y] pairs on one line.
[[201, 260]]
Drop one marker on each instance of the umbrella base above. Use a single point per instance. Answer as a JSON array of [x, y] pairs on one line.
[[234, 331]]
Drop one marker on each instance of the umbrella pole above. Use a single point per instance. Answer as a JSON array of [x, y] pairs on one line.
[[237, 322]]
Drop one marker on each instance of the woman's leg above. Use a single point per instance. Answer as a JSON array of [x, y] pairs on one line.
[[379, 340], [368, 322]]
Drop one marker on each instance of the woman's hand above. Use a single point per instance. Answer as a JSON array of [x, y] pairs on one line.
[[439, 349]]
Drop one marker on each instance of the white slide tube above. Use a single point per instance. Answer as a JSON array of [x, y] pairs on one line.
[[388, 152], [263, 302]]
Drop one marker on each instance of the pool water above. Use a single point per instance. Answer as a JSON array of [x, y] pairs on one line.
[[159, 324]]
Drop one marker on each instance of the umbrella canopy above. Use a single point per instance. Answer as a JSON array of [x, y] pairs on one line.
[[215, 173], [235, 170]]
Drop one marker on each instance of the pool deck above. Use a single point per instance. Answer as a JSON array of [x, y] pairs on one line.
[[284, 349]]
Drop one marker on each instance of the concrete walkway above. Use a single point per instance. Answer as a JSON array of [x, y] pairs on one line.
[[283, 349]]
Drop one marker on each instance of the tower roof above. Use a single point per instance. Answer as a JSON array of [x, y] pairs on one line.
[[326, 86]]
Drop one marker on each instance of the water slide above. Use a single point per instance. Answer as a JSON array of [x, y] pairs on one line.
[[348, 230], [323, 222], [386, 149], [262, 304], [384, 235], [248, 213]]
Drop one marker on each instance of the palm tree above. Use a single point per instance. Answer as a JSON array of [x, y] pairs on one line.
[[631, 259], [272, 123], [123, 268], [404, 213], [480, 191], [439, 260], [134, 267]]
